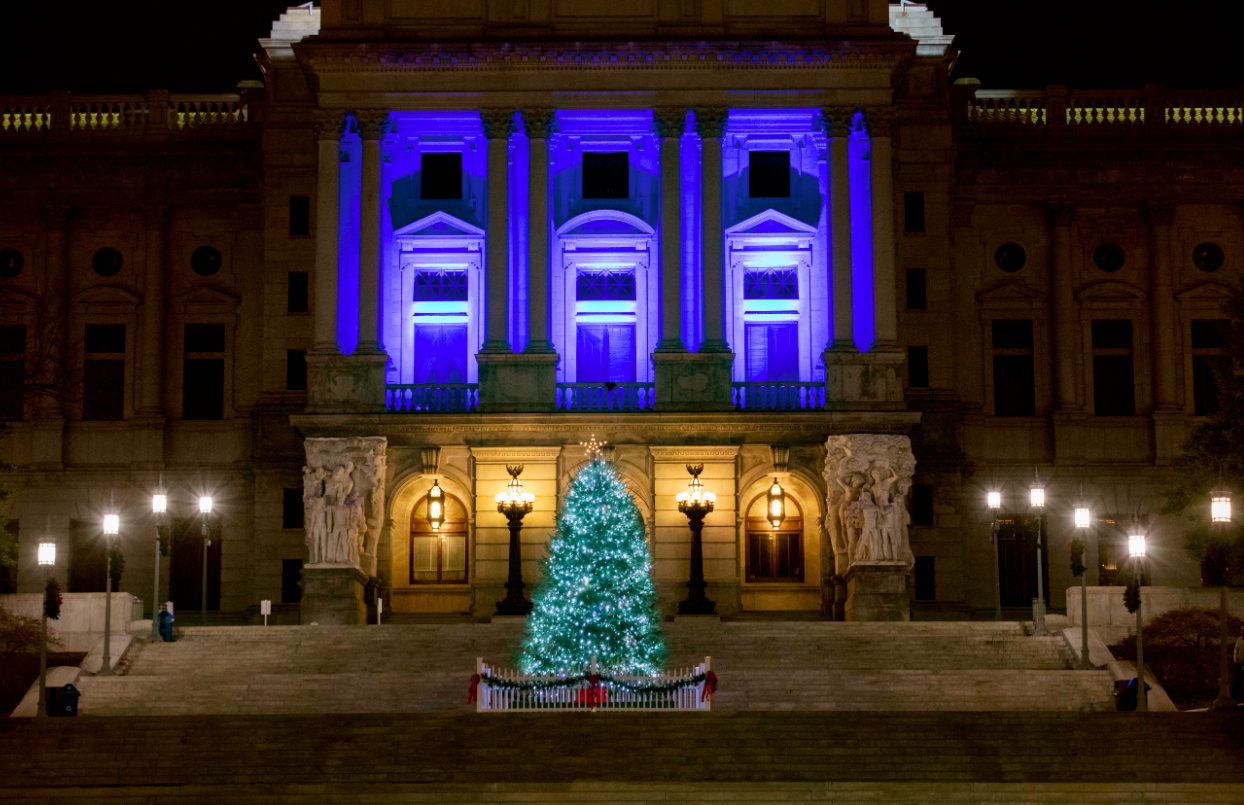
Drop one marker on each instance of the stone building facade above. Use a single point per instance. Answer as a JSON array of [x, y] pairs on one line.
[[441, 239]]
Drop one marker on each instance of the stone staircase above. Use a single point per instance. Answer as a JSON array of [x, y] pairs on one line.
[[633, 758], [762, 666]]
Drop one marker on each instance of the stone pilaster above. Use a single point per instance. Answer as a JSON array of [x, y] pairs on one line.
[[1169, 420], [710, 124], [498, 125], [668, 123], [149, 420], [879, 123], [373, 126], [837, 121], [330, 125], [538, 124], [51, 379]]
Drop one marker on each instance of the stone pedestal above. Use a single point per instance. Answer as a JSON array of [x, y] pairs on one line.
[[693, 381], [516, 384], [864, 380], [877, 592], [333, 596], [346, 384]]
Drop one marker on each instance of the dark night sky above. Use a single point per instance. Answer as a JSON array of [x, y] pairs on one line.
[[207, 45]]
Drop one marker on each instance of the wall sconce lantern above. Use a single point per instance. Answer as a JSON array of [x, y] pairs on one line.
[[776, 509], [436, 506]]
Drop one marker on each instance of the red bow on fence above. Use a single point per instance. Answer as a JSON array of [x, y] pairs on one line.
[[474, 688], [593, 694], [710, 687]]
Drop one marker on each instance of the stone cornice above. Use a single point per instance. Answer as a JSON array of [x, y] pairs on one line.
[[330, 57]]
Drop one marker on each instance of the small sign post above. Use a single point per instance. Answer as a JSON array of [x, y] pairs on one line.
[[265, 609], [379, 609]]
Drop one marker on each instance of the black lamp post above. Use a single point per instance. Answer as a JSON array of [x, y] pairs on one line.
[[159, 507], [47, 559], [515, 504], [205, 508], [1220, 518], [112, 527], [994, 499], [1036, 497], [696, 504], [1136, 549]]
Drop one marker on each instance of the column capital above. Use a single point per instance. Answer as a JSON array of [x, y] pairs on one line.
[[538, 122], [1062, 213], [330, 124], [155, 216], [879, 121], [669, 121], [56, 216], [837, 121], [1160, 212], [373, 123], [498, 122], [710, 121]]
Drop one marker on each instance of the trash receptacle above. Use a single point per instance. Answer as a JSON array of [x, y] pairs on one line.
[[166, 626], [67, 701]]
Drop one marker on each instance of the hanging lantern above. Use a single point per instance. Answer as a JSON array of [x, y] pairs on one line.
[[776, 509], [1220, 506], [436, 506]]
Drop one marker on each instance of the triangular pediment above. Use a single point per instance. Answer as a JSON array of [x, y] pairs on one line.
[[439, 224], [1111, 289], [105, 295], [1009, 291], [204, 300], [771, 222], [1212, 291]]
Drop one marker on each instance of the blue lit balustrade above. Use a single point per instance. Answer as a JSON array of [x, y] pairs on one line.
[[788, 396], [605, 396], [447, 398]]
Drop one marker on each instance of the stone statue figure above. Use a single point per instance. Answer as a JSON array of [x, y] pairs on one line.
[[868, 477], [343, 499], [315, 514], [336, 491]]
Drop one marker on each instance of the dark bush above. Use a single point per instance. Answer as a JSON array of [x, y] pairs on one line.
[[1181, 647]]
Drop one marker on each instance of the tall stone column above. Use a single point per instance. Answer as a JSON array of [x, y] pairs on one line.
[[1162, 316], [1062, 298], [46, 399], [330, 125], [151, 385], [710, 124], [538, 124], [373, 126], [837, 121], [669, 123], [879, 123], [498, 125]]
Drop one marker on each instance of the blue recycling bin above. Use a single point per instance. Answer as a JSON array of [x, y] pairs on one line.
[[166, 626], [66, 701]]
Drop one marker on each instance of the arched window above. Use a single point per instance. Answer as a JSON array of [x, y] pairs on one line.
[[775, 555], [438, 557]]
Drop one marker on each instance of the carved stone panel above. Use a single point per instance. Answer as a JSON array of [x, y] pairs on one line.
[[868, 477], [343, 500]]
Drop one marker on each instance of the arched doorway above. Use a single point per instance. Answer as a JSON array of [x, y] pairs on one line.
[[774, 555]]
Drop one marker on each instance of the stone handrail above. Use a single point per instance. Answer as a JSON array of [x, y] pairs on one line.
[[790, 396], [156, 115], [605, 396], [432, 397], [1056, 112]]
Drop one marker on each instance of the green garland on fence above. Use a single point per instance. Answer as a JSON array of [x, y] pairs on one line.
[[576, 681]]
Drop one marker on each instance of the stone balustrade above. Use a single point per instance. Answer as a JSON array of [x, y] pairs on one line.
[[154, 115]]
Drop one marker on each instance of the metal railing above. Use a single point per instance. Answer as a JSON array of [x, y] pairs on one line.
[[778, 396], [605, 396], [445, 398], [501, 690]]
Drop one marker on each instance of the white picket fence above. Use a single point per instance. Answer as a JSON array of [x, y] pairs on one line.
[[607, 695]]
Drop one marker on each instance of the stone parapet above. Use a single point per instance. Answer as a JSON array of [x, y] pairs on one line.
[[690, 381], [864, 380], [525, 383]]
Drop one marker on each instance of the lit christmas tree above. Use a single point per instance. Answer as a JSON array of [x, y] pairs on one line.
[[596, 598]]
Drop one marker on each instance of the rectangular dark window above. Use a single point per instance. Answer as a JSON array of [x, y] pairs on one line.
[[1114, 389], [205, 338], [440, 176], [918, 367], [291, 508], [1210, 334], [605, 286], [772, 352], [203, 389], [768, 174], [1014, 392], [1014, 370], [606, 175], [108, 338], [917, 290], [440, 286], [296, 370], [103, 390], [12, 373], [1210, 354], [299, 298], [926, 578], [773, 283], [913, 212], [291, 581], [299, 216], [922, 504]]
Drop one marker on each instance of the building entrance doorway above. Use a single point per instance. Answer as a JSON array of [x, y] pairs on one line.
[[185, 581], [1017, 562]]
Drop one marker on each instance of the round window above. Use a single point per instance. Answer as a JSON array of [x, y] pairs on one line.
[[205, 261], [107, 262], [11, 262], [1010, 257], [1207, 257], [1108, 256]]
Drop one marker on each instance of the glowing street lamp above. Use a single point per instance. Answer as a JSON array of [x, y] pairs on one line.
[[205, 509], [112, 527], [515, 504], [1036, 499], [1220, 506], [159, 507], [994, 501], [47, 558], [1136, 550], [1220, 516], [697, 503], [1083, 517]]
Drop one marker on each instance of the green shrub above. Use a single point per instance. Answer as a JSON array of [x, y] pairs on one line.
[[1181, 647]]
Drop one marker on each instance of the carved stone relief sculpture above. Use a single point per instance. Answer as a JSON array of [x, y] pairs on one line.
[[343, 501], [868, 477]]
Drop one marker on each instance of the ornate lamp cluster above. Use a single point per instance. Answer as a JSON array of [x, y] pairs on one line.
[[515, 504]]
